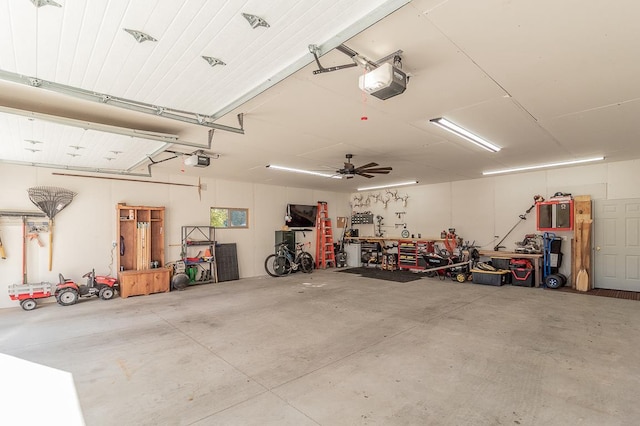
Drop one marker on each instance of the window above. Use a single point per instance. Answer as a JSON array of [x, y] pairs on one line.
[[225, 217]]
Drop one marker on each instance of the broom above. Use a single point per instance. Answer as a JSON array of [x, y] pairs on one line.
[[51, 201]]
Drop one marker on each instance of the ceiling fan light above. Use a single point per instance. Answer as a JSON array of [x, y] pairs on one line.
[[465, 134]]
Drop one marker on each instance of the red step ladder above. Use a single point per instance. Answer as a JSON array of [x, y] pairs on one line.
[[325, 253]]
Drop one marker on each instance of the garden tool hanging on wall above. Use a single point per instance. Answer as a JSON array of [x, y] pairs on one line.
[[51, 201]]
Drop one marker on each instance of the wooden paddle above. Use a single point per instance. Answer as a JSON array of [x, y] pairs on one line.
[[587, 227], [582, 279]]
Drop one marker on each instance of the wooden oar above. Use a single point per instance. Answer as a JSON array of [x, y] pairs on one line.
[[582, 278], [586, 248]]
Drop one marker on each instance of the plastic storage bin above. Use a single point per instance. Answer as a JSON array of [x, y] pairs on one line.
[[500, 262], [496, 278], [522, 277]]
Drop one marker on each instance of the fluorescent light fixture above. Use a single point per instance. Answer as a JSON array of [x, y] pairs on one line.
[[391, 185], [465, 134], [542, 166], [307, 172]]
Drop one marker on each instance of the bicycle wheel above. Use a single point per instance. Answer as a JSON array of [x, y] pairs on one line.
[[306, 262], [270, 266], [277, 266], [283, 265]]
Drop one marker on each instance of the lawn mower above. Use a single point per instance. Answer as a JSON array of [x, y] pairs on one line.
[[448, 263], [444, 264], [68, 292]]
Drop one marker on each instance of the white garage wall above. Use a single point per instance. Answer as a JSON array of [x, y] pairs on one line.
[[85, 229], [483, 208], [478, 209]]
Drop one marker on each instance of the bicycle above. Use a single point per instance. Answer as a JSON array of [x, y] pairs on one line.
[[283, 261]]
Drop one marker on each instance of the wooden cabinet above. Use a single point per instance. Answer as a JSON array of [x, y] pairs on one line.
[[140, 237], [140, 245], [556, 214], [135, 283]]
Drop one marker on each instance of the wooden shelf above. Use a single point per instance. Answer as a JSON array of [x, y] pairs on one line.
[[140, 239]]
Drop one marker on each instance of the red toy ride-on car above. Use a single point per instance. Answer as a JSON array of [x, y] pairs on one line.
[[68, 292]]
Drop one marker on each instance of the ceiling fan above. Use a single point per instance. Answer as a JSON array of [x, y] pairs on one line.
[[368, 170]]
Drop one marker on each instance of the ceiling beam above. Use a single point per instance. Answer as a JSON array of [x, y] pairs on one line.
[[129, 104]]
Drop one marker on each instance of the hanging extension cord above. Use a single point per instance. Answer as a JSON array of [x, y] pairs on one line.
[[113, 247]]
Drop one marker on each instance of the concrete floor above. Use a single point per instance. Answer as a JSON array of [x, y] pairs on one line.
[[335, 349]]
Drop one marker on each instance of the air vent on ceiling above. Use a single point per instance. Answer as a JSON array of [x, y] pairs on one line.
[[40, 3], [255, 21], [213, 61], [139, 35]]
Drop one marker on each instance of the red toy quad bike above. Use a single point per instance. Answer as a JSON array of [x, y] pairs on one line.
[[68, 292]]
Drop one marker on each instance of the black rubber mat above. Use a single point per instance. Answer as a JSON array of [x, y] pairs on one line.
[[617, 294], [379, 274]]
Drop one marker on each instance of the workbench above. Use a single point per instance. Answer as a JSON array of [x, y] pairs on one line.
[[407, 253], [536, 258]]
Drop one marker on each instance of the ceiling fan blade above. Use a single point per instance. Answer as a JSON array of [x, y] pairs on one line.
[[384, 170], [366, 166], [364, 175]]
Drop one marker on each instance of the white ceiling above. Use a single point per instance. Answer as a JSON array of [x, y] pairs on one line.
[[547, 81]]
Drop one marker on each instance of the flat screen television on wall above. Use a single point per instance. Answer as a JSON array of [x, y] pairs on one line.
[[301, 216]]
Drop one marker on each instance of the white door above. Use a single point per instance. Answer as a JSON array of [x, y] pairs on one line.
[[616, 244]]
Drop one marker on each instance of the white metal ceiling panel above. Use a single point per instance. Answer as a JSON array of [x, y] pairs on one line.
[[28, 140], [83, 44]]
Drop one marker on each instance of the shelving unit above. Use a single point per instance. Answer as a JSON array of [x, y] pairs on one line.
[[140, 243], [200, 237]]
